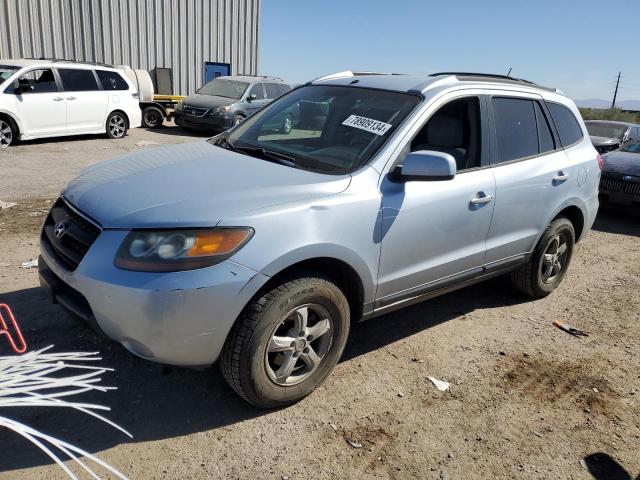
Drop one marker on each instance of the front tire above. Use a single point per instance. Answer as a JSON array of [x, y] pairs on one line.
[[549, 262], [8, 133], [286, 342], [116, 125]]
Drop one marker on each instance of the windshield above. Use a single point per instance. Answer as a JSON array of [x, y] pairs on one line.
[[6, 71], [331, 129], [224, 88], [606, 130], [631, 147]]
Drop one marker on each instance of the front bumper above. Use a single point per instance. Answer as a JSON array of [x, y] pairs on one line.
[[208, 123], [178, 318], [620, 189]]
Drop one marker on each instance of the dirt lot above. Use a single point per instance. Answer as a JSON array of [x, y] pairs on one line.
[[527, 400]]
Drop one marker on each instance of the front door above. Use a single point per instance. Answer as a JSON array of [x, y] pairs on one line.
[[86, 101], [434, 232], [41, 107], [214, 70]]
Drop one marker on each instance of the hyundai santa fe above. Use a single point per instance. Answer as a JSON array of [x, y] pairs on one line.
[[258, 248]]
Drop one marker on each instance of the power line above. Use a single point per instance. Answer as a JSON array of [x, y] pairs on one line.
[[615, 94]]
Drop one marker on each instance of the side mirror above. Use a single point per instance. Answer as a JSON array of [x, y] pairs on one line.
[[251, 97], [21, 89], [425, 165]]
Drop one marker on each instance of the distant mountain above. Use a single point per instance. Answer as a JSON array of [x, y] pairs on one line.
[[599, 103]]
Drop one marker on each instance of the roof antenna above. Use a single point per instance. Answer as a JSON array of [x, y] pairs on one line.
[[509, 72]]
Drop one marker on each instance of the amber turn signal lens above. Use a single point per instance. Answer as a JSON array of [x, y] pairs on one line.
[[218, 242]]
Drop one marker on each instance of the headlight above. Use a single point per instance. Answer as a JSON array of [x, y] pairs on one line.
[[174, 250], [219, 110], [180, 105]]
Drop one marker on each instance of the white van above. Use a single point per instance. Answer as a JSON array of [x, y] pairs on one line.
[[52, 98]]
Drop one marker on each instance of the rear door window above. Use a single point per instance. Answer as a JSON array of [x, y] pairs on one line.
[[112, 80], [272, 90], [516, 128], [566, 123], [77, 80]]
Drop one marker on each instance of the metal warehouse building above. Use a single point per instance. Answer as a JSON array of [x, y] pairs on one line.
[[195, 39]]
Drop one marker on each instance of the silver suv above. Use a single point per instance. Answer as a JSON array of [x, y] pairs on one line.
[[259, 249], [227, 101]]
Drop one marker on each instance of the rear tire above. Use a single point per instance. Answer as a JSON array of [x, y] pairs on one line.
[[8, 132], [117, 125], [549, 262], [152, 117], [286, 342]]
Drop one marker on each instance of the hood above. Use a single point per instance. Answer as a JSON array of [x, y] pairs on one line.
[[597, 141], [190, 185], [624, 163], [208, 101]]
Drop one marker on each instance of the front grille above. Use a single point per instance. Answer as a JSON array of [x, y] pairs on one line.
[[78, 234], [617, 183], [195, 112]]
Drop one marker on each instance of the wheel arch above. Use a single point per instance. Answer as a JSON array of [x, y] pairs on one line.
[[340, 271], [117, 110], [575, 215], [12, 118]]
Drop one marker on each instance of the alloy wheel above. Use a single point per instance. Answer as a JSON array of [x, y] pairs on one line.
[[554, 259], [299, 344], [6, 134], [117, 126]]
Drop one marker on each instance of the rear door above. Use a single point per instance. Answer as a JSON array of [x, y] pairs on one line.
[[86, 101], [41, 107], [533, 175]]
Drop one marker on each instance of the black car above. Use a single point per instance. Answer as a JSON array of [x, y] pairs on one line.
[[608, 135], [620, 180]]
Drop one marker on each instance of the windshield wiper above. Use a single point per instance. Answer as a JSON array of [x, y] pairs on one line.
[[265, 154]]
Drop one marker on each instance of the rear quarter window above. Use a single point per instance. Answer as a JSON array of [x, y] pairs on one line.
[[112, 80], [566, 123]]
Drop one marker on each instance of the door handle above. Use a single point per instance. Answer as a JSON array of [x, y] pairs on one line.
[[58, 99], [560, 177], [481, 199], [71, 98]]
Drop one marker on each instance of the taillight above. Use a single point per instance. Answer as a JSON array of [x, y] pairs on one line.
[[601, 162]]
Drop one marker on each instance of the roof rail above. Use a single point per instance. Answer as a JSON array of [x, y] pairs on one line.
[[468, 76], [70, 61], [258, 76], [348, 73]]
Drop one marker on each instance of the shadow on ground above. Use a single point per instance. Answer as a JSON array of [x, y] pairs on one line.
[[602, 467], [620, 220], [156, 402]]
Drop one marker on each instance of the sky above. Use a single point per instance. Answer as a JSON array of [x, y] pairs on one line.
[[578, 46]]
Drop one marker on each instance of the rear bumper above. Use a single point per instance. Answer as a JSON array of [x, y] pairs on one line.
[[179, 318], [208, 123]]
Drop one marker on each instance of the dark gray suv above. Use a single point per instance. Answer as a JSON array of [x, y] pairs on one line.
[[227, 101]]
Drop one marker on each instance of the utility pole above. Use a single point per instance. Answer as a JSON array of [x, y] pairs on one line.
[[615, 94]]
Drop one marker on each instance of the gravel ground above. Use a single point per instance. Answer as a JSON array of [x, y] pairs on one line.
[[527, 399]]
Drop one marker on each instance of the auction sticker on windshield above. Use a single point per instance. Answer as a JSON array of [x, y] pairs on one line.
[[367, 124]]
